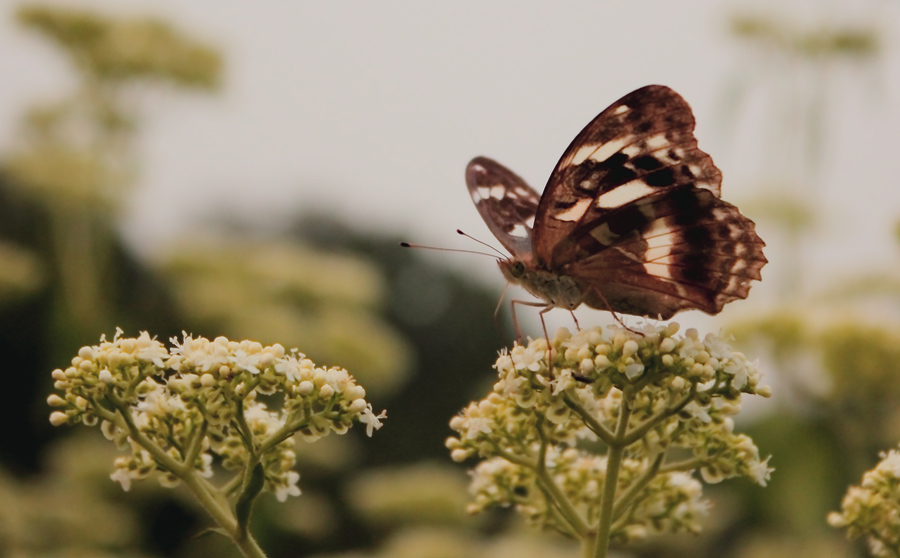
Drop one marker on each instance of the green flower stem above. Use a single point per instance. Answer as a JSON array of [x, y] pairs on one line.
[[222, 515], [231, 486], [565, 507], [102, 412], [207, 495], [160, 456], [590, 421], [562, 504], [196, 444], [588, 542], [560, 521], [281, 435], [244, 428], [681, 466], [628, 497], [640, 430], [613, 463], [549, 488]]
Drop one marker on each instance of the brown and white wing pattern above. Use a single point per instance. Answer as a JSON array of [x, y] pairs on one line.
[[642, 144], [506, 203], [674, 250], [630, 220]]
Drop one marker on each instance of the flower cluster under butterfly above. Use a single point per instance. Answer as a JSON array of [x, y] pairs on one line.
[[630, 221]]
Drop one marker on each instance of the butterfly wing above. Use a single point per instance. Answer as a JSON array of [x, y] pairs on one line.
[[632, 211], [639, 145], [506, 203], [670, 251]]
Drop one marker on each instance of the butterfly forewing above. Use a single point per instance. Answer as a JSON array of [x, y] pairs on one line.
[[506, 203], [641, 144]]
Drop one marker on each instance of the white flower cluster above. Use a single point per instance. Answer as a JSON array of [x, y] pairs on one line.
[[873, 509], [650, 394], [175, 410], [669, 503]]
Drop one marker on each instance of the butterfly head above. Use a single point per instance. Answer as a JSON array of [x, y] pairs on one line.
[[514, 269], [556, 289]]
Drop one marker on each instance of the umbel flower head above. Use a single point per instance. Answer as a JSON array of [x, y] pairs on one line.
[[873, 508], [175, 410], [609, 436]]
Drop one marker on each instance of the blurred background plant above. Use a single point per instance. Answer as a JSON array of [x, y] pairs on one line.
[[421, 339]]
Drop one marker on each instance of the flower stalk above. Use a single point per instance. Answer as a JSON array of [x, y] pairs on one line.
[[176, 411], [642, 396]]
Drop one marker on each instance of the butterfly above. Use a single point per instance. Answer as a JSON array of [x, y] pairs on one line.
[[631, 220]]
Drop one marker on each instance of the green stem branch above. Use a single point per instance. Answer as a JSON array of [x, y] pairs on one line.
[[613, 463], [628, 497], [601, 431], [640, 430]]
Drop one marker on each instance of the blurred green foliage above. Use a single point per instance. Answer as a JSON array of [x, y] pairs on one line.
[[277, 292], [124, 49], [825, 41]]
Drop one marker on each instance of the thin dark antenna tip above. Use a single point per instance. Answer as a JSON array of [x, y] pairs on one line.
[[408, 245], [502, 255]]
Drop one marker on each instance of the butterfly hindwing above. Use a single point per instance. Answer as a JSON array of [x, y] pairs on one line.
[[506, 203], [667, 252], [642, 144]]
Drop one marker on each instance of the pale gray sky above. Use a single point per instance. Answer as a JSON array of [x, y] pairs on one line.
[[373, 109]]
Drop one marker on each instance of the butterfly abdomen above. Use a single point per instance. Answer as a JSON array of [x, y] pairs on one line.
[[559, 290]]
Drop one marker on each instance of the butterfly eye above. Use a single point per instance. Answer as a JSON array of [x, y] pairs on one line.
[[517, 269]]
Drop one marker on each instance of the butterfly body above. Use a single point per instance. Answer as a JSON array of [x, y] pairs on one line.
[[557, 289], [630, 221]]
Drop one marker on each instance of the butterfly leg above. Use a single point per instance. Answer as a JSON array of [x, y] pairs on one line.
[[577, 326], [547, 337], [544, 308], [613, 312], [512, 306]]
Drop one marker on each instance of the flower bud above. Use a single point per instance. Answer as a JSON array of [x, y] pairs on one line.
[[58, 418]]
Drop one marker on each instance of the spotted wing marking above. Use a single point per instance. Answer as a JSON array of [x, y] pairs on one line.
[[641, 144], [506, 203]]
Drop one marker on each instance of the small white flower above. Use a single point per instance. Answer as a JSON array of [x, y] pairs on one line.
[[890, 464], [371, 420], [529, 359], [478, 425], [290, 488], [634, 370], [698, 411], [760, 471], [740, 370], [122, 477]]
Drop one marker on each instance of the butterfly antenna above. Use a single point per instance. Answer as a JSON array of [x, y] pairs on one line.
[[483, 243], [410, 245], [500, 302]]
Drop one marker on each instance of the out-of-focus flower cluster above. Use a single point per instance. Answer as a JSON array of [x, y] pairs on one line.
[[177, 409], [121, 48], [544, 424], [873, 508]]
